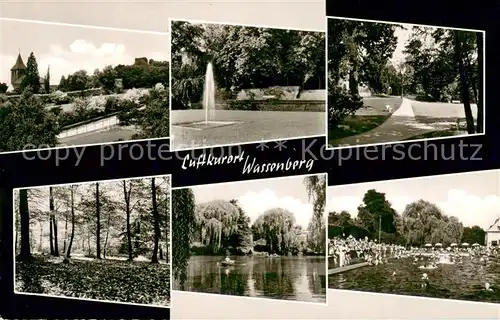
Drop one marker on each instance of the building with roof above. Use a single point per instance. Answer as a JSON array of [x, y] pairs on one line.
[[17, 73], [492, 237]]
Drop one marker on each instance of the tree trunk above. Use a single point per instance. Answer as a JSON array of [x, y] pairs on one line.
[[107, 234], [464, 87], [51, 235], [65, 233], [480, 84], [156, 220], [88, 242], [40, 247], [72, 236], [98, 221], [25, 252], [56, 243], [126, 195]]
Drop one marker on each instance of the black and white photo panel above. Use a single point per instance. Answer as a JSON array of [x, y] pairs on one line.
[[101, 241], [255, 239], [434, 237], [239, 84], [78, 85], [398, 82]]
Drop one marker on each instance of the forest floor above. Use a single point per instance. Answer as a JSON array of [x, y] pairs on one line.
[[108, 279]]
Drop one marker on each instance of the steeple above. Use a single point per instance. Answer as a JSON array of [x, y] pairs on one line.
[[19, 63]]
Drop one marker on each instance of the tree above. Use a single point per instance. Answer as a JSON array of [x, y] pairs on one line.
[[31, 77], [480, 84], [184, 223], [98, 220], [25, 253], [376, 213], [277, 228], [129, 207], [54, 245], [464, 86], [242, 239], [316, 189], [243, 58], [46, 82], [3, 87], [156, 221], [216, 222], [72, 190], [424, 222], [153, 120], [25, 123], [474, 234]]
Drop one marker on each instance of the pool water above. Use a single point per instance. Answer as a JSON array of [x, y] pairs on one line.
[[463, 280]]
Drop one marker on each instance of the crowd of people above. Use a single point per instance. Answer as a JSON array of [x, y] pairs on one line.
[[349, 250], [346, 251]]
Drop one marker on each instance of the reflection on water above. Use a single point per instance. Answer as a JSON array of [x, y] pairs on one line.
[[288, 278], [465, 279]]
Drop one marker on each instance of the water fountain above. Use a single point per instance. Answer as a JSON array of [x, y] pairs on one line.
[[209, 106], [209, 94]]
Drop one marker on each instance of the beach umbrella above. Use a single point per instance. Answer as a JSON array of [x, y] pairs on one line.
[[438, 244], [428, 245], [475, 244], [453, 245], [465, 244]]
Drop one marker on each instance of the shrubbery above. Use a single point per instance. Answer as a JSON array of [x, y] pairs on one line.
[[341, 104]]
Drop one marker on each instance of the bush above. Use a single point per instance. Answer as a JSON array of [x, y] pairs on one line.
[[424, 98], [58, 97], [341, 104], [134, 95], [82, 111], [276, 92]]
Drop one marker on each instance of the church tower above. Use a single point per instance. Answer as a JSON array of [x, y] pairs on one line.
[[17, 72]]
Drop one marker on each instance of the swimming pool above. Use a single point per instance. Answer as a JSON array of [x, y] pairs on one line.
[[464, 279]]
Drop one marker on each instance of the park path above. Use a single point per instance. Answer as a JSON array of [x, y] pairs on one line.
[[401, 125]]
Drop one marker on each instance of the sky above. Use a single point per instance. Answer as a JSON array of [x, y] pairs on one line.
[[68, 48], [474, 198], [403, 36], [257, 196]]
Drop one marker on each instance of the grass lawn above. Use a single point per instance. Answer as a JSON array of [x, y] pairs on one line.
[[111, 280], [433, 134], [355, 125], [370, 116]]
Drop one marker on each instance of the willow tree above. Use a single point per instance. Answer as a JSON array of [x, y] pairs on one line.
[[217, 222], [316, 190], [424, 222], [277, 228]]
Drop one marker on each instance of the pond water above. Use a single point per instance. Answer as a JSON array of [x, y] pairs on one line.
[[287, 278], [463, 279]]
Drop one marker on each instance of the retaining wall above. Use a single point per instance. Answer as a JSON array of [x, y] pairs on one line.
[[100, 124]]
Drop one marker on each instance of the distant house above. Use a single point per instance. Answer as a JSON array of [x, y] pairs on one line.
[[141, 61], [304, 235], [17, 73], [492, 237]]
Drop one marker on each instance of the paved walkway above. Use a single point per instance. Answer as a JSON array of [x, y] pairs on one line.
[[401, 125]]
